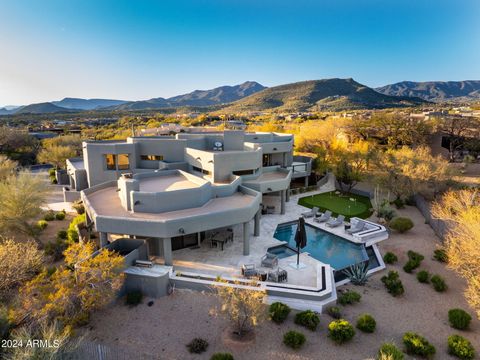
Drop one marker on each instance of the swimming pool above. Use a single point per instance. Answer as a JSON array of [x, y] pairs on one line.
[[321, 245]]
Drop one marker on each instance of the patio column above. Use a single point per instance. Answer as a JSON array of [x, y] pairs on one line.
[[282, 202], [256, 228], [306, 181], [167, 251], [288, 194], [246, 239], [199, 238], [103, 239]]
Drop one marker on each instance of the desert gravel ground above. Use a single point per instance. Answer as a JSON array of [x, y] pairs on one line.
[[162, 330]]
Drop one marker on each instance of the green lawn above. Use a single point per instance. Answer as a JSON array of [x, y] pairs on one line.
[[339, 204]]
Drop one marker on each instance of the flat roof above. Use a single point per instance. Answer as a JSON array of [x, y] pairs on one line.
[[106, 202], [166, 183], [269, 176]]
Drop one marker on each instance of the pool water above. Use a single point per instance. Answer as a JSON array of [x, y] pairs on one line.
[[321, 245]]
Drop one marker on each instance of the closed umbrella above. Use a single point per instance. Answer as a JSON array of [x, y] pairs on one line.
[[300, 238]]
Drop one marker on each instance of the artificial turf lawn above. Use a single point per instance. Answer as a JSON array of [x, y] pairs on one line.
[[339, 204]]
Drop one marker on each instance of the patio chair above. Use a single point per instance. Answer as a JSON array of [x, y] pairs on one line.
[[325, 217], [335, 222], [311, 213], [278, 275], [249, 270], [269, 260], [359, 226]]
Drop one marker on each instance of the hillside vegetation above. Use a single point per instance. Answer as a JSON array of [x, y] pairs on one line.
[[313, 95]]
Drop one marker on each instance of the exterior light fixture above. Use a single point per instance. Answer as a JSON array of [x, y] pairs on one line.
[[136, 202], [269, 189], [181, 231], [274, 149], [118, 190]]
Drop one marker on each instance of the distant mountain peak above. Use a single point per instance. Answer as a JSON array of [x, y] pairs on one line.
[[314, 95], [437, 91]]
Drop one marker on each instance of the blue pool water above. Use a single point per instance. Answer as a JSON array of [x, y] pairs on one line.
[[321, 245]]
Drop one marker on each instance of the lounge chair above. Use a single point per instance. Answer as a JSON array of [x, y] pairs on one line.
[[325, 217], [311, 213], [249, 270], [269, 260], [278, 275], [359, 226], [335, 222]]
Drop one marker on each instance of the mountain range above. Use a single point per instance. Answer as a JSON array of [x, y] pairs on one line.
[[326, 94], [217, 96], [436, 91]]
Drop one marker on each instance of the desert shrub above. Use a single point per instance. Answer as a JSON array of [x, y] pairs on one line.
[[423, 276], [42, 224], [366, 323], [389, 351], [393, 283], [79, 207], [55, 249], [134, 297], [438, 283], [386, 212], [440, 255], [60, 215], [334, 312], [349, 297], [222, 356], [51, 172], [459, 319], [279, 312], [49, 216], [62, 234], [197, 346], [72, 234], [399, 203], [307, 318], [418, 345], [390, 258], [401, 224], [414, 261], [340, 331], [357, 274], [294, 339], [460, 347]]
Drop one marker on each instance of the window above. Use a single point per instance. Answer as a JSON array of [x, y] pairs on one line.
[[117, 162], [111, 163], [206, 172], [244, 172], [152, 157], [123, 162]]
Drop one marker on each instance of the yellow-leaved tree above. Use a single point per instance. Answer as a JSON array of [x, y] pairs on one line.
[[70, 294], [461, 209]]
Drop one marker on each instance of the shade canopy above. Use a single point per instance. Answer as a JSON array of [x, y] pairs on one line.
[[301, 234]]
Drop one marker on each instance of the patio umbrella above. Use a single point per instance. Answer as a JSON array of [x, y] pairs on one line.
[[300, 238]]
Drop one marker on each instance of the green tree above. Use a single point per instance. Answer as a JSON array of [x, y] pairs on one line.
[[20, 200]]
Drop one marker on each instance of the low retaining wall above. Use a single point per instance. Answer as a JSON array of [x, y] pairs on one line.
[[439, 226]]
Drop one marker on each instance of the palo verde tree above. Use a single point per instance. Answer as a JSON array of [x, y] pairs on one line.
[[57, 150], [21, 197], [243, 306], [461, 209], [71, 293], [406, 171]]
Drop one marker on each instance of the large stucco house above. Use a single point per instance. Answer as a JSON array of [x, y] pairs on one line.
[[173, 190]]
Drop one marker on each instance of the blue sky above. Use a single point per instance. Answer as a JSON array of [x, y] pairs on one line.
[[143, 49]]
